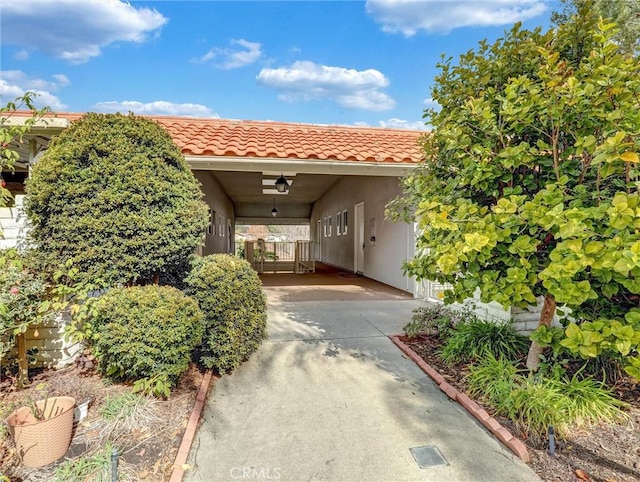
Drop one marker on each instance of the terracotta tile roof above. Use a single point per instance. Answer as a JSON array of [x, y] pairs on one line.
[[217, 137], [264, 139]]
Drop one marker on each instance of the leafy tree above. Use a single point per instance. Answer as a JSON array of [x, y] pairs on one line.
[[114, 195], [625, 13], [11, 133], [529, 186]]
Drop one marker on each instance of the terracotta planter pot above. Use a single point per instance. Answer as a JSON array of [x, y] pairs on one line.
[[41, 442]]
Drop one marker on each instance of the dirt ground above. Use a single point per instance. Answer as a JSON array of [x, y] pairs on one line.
[[607, 453], [147, 446]]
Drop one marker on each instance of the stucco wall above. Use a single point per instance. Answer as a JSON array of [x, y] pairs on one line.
[[217, 239], [383, 257]]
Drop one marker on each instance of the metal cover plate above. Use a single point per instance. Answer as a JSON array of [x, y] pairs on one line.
[[428, 456]]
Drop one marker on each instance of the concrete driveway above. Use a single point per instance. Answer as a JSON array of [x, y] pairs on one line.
[[329, 397]]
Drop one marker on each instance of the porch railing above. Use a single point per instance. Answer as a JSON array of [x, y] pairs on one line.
[[281, 256]]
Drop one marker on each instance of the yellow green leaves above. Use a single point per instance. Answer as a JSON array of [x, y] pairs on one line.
[[448, 264], [623, 211], [507, 206], [523, 245], [590, 339], [582, 342], [630, 157], [475, 241]]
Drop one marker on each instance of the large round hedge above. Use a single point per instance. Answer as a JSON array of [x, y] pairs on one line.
[[114, 194], [230, 295], [146, 332]]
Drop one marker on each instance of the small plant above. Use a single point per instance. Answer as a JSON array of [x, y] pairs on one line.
[[146, 332], [93, 467], [157, 385], [534, 403], [46, 411], [230, 294], [492, 378], [121, 406], [473, 339], [126, 413], [435, 320], [89, 467]]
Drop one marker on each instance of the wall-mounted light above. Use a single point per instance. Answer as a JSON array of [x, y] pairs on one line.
[[274, 211], [281, 184]]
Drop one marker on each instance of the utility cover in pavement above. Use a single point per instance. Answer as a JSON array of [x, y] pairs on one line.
[[428, 456]]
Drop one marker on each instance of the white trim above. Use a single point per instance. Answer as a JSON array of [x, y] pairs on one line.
[[357, 246], [300, 166], [271, 220]]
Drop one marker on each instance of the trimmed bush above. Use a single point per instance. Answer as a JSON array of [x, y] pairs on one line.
[[146, 332], [114, 195], [230, 294]]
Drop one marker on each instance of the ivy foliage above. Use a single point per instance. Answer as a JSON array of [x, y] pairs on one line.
[[530, 181], [12, 135], [230, 294], [114, 195], [23, 298]]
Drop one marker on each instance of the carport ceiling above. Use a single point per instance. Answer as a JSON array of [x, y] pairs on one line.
[[245, 189]]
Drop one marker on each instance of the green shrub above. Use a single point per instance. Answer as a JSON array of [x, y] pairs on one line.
[[534, 403], [146, 332], [114, 194], [230, 294], [473, 339], [435, 320]]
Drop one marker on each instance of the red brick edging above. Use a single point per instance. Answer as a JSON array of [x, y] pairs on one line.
[[506, 437], [190, 430]]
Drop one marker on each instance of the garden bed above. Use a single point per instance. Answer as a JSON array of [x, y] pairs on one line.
[[147, 440], [605, 453]]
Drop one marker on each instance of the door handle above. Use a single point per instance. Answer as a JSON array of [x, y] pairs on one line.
[[363, 245]]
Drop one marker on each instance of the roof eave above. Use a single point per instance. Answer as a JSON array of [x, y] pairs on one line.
[[302, 166]]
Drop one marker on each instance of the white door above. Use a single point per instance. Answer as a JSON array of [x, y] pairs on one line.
[[319, 241], [359, 239]]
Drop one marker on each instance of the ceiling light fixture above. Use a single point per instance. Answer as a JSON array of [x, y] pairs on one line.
[[281, 184], [274, 211]]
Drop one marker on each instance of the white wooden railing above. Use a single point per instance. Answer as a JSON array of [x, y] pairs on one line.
[[280, 256]]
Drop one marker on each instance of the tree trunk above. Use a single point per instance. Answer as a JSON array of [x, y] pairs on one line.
[[546, 318], [23, 363]]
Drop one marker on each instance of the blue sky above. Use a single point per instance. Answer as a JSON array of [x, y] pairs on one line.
[[322, 62]]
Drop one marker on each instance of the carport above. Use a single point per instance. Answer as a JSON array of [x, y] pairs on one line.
[[340, 179]]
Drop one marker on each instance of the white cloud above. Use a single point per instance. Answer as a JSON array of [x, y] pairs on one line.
[[159, 107], [394, 123], [232, 58], [22, 55], [75, 30], [350, 88], [442, 16], [14, 83]]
